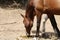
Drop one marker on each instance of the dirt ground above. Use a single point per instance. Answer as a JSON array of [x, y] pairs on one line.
[[12, 27]]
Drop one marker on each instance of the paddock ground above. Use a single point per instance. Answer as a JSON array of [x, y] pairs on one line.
[[12, 27]]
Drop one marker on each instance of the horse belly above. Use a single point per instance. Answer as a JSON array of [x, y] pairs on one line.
[[53, 11], [52, 4]]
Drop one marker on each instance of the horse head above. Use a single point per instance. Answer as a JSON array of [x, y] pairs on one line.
[[27, 24]]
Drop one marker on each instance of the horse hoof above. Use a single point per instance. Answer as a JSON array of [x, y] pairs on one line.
[[44, 35], [37, 35], [36, 38], [59, 35], [28, 35]]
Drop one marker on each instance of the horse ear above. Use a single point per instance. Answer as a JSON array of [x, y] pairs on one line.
[[22, 15]]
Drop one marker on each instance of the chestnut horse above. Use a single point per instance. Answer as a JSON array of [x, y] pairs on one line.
[[39, 7]]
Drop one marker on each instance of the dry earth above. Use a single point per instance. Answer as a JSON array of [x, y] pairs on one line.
[[12, 28]]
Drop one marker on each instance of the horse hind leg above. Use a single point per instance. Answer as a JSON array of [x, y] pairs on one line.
[[54, 24]]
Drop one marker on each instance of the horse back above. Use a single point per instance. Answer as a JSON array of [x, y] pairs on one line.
[[50, 4]]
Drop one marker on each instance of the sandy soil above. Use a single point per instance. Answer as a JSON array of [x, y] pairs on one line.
[[12, 27]]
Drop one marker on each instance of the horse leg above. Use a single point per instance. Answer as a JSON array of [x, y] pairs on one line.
[[54, 24], [43, 26], [44, 21], [38, 23]]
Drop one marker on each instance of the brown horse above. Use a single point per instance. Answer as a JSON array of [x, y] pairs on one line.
[[39, 7]]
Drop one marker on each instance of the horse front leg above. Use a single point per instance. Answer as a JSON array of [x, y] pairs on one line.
[[38, 23], [45, 18], [43, 24]]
